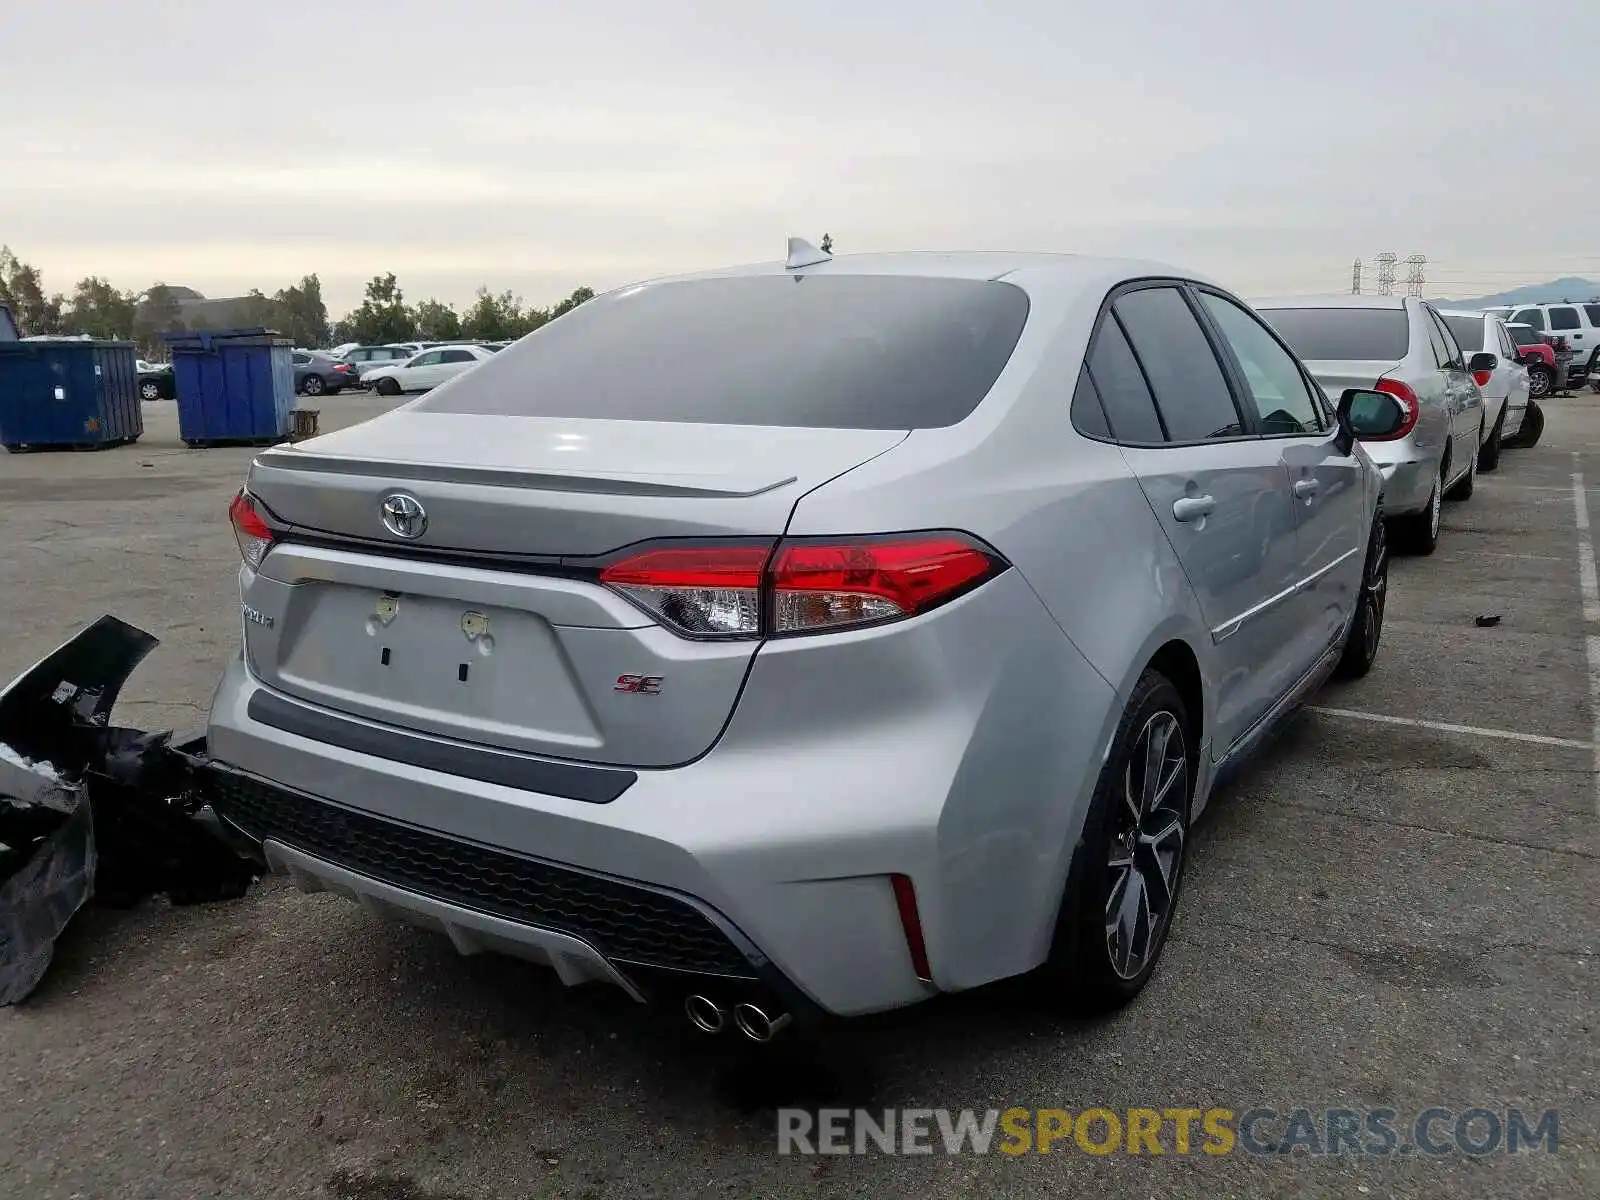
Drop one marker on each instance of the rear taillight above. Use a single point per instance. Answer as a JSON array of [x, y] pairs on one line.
[[804, 585], [699, 591], [250, 530], [1403, 393], [1481, 378]]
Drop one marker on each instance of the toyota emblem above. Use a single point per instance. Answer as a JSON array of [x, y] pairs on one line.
[[404, 516]]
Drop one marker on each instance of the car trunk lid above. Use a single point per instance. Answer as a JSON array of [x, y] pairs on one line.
[[482, 627]]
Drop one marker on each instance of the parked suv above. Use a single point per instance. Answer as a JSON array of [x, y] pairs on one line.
[[806, 638], [1577, 324], [1398, 345]]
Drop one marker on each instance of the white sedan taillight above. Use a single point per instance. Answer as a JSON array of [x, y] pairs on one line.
[[804, 585]]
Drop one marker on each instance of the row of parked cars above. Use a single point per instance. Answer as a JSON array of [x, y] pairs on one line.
[[391, 369]]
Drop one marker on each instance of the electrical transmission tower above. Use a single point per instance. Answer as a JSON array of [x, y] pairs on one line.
[[1414, 278], [1355, 278], [1386, 262]]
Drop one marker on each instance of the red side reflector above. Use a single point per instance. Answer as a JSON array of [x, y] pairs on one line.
[[905, 898]]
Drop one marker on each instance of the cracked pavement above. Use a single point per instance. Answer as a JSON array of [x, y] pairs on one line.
[[1374, 914]]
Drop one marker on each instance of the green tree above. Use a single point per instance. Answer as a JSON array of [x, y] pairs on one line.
[[157, 314], [579, 296], [437, 321], [301, 314], [100, 310], [22, 287], [494, 318], [383, 315]]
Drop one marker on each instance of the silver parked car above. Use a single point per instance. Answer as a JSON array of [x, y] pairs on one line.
[[808, 638], [1504, 387], [1398, 345]]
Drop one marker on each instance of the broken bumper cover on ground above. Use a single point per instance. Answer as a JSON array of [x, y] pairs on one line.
[[89, 810]]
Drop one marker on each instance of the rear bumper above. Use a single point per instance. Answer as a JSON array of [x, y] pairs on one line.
[[768, 862], [1408, 474]]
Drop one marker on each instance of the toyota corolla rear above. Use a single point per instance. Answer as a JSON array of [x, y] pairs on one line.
[[534, 660]]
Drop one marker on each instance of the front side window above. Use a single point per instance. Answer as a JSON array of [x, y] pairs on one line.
[[1564, 317], [1191, 391], [430, 359], [1277, 389]]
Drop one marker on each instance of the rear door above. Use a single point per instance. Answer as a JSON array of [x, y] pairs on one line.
[[454, 361], [1455, 392], [422, 372], [1565, 322], [1325, 482], [1220, 492], [1515, 375]]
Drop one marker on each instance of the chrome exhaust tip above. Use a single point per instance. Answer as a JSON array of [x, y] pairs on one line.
[[704, 1013], [757, 1025]]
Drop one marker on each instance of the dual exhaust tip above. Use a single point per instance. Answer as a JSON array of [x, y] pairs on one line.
[[706, 1015]]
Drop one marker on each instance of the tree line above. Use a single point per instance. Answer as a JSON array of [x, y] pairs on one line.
[[100, 310]]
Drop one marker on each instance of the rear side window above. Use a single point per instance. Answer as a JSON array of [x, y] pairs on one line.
[[1524, 336], [1088, 417], [458, 356], [815, 351], [1129, 407], [1452, 349], [1468, 331], [1443, 355], [1349, 334], [1564, 317], [1592, 311], [1191, 391], [1529, 316]]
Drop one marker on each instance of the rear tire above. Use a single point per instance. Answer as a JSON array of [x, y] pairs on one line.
[[150, 391], [1127, 868], [1541, 381], [1463, 486], [1366, 629], [1489, 455], [312, 385], [387, 387], [1418, 533], [1532, 427]]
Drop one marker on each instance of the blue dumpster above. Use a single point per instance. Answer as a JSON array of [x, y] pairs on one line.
[[68, 392], [233, 385], [8, 325]]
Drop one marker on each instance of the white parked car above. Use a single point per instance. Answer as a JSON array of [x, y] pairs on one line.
[[426, 370], [1505, 389], [1578, 323]]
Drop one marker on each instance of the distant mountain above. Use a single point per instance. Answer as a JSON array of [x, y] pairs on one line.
[[1570, 288]]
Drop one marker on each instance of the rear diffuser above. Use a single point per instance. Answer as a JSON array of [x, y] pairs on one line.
[[91, 810]]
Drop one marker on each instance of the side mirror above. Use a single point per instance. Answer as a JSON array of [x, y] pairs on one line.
[[1363, 414], [1483, 361]]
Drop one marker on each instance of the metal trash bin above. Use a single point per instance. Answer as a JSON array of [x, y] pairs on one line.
[[68, 392], [234, 386]]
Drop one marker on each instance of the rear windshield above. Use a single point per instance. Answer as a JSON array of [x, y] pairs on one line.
[[1524, 335], [1343, 333], [817, 351], [1468, 331]]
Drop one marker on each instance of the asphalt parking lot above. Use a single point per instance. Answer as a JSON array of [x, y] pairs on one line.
[[1380, 913]]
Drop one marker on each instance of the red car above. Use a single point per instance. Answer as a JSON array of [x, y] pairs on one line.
[[1539, 356]]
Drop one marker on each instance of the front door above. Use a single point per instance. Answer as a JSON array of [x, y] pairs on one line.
[[1325, 482], [1220, 493]]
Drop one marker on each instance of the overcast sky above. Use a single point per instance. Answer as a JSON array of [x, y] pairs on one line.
[[226, 144]]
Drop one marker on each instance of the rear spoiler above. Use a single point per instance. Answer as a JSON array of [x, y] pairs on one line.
[[92, 810]]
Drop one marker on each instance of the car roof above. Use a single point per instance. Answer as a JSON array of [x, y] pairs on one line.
[[1033, 271], [1329, 300]]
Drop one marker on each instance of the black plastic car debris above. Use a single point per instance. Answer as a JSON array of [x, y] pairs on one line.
[[1486, 620], [88, 809]]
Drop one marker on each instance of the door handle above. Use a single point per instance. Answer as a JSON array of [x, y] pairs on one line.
[[1305, 488], [1192, 508]]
